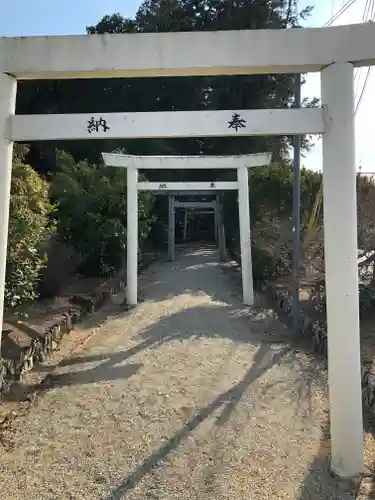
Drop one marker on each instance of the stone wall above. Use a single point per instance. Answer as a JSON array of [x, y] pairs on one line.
[[282, 304], [317, 332], [37, 345]]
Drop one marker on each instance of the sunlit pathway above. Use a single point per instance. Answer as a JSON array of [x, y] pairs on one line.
[[188, 396]]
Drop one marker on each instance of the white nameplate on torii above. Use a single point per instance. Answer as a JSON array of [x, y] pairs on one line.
[[168, 124], [187, 186]]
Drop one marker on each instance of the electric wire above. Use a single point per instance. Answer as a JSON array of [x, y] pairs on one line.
[[368, 15], [339, 13]]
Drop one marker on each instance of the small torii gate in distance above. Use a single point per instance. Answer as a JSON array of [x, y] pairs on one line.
[[201, 207], [133, 164], [333, 51]]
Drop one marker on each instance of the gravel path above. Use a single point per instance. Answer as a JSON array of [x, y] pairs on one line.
[[190, 395]]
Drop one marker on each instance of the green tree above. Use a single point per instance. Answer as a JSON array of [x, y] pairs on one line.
[[271, 207], [29, 225], [227, 92], [175, 94], [163, 94], [91, 213]]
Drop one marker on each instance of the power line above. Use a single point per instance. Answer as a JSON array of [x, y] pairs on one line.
[[339, 13], [344, 7], [368, 15], [363, 88], [366, 10], [369, 6]]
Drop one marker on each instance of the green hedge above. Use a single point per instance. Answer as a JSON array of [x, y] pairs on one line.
[[91, 213], [271, 192], [28, 227]]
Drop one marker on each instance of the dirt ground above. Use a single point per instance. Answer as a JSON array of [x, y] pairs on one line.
[[190, 395]]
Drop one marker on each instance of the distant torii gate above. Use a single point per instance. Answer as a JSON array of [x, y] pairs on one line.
[[200, 207], [212, 207], [241, 163]]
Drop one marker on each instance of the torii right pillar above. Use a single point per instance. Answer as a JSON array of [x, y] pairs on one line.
[[341, 270]]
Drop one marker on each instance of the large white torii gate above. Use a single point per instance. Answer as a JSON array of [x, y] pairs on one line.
[[241, 163], [333, 51]]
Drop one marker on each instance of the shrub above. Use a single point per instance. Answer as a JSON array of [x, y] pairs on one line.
[[91, 213], [28, 227], [271, 205], [265, 266]]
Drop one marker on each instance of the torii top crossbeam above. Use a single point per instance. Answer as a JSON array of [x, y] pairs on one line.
[[186, 162], [136, 163], [187, 53]]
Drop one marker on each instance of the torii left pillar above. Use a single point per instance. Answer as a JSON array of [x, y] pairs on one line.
[[8, 89], [219, 223], [171, 227], [132, 237]]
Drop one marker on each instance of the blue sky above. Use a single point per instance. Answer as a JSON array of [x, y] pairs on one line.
[[66, 17], [365, 144], [43, 17]]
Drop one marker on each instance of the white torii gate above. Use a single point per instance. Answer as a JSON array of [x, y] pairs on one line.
[[134, 163], [197, 207], [333, 51]]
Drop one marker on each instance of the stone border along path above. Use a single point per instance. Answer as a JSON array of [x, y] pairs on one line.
[[25, 344], [190, 395]]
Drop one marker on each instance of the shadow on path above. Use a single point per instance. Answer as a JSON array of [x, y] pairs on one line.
[[184, 276], [183, 325], [225, 317], [319, 482], [226, 401]]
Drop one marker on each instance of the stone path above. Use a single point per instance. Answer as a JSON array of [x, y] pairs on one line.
[[190, 395]]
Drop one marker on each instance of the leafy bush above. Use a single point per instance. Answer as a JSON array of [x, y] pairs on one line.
[[271, 190], [28, 227], [366, 298], [265, 266], [91, 213], [271, 205]]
